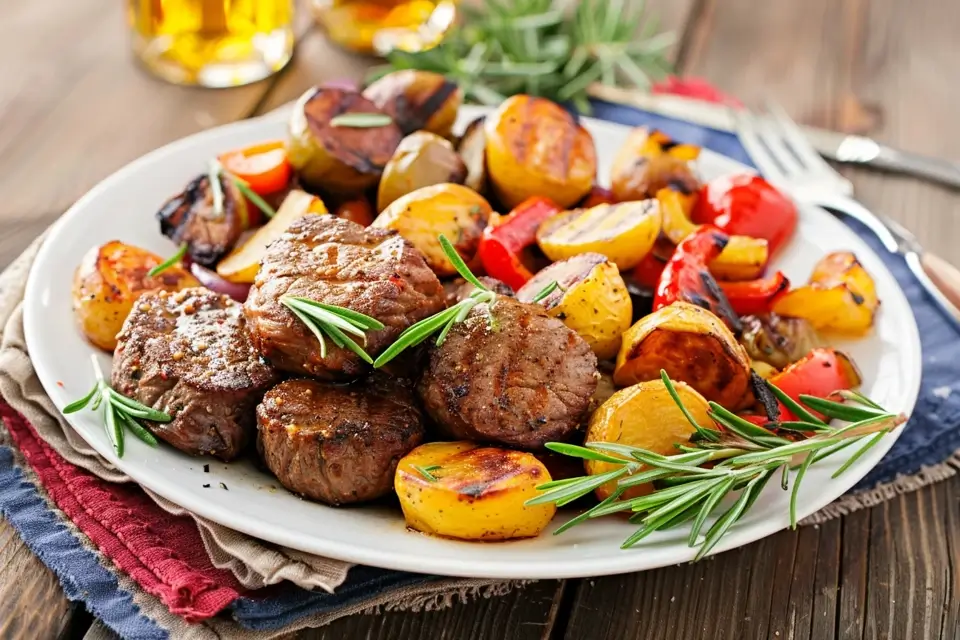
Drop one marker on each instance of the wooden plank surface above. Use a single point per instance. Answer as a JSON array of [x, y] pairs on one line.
[[71, 115]]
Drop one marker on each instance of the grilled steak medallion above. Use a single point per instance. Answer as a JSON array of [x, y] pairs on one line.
[[334, 443], [337, 262], [523, 381], [188, 354]]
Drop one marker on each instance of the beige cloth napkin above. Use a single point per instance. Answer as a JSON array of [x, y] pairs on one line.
[[254, 562]]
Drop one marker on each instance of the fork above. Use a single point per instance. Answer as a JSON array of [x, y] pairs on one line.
[[787, 160]]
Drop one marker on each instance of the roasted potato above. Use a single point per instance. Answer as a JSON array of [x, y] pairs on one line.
[[744, 258], [777, 340], [471, 150], [623, 232], [244, 261], [841, 296], [644, 416], [649, 161], [471, 492], [534, 147], [451, 209], [693, 346], [421, 160], [591, 298], [417, 100], [109, 280], [338, 159]]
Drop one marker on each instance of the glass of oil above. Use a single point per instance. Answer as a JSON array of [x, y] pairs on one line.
[[379, 26], [212, 43]]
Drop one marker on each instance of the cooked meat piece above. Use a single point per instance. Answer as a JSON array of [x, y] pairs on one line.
[[777, 340], [524, 382], [338, 444], [188, 354], [458, 289], [337, 262], [191, 217]]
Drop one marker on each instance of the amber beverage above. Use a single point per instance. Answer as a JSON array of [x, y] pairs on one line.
[[212, 43], [378, 26]]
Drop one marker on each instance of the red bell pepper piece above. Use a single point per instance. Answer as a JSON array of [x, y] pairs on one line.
[[819, 373], [687, 278], [501, 245], [755, 296], [647, 273], [747, 205]]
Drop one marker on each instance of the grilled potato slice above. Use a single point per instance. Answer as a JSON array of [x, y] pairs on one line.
[[649, 161], [421, 160], [623, 232], [534, 147], [417, 100], [693, 346], [591, 298], [467, 491], [451, 209], [109, 280], [471, 149]]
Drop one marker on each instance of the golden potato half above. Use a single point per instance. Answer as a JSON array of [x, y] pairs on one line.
[[421, 160], [455, 211], [644, 416], [649, 161], [417, 100], [692, 345], [623, 232], [534, 147], [591, 298], [467, 491], [109, 280]]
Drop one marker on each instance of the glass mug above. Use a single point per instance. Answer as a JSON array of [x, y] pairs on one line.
[[379, 26], [212, 43]]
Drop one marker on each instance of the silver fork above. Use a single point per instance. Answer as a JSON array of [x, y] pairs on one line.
[[785, 158]]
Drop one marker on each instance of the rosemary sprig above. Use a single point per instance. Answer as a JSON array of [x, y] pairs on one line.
[[692, 485], [217, 170], [538, 48], [169, 262], [331, 321], [426, 471], [444, 320], [546, 291], [361, 120], [119, 411]]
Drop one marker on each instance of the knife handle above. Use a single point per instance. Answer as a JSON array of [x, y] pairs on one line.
[[944, 275]]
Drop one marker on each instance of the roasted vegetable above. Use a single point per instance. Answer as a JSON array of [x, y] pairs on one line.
[[471, 150], [743, 257], [534, 147], [650, 161], [356, 210], [417, 100], [421, 160], [244, 261], [841, 296], [466, 491], [597, 195], [693, 346], [502, 243], [208, 217], [686, 277], [590, 297], [623, 232], [820, 373], [338, 158], [755, 296], [747, 205], [647, 273], [453, 210], [777, 340], [264, 167], [644, 416], [109, 280]]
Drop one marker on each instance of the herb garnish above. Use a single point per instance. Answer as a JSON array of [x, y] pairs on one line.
[[216, 189], [546, 291], [253, 196], [119, 411], [425, 471], [217, 170], [746, 457], [333, 322], [361, 120], [444, 320], [169, 262]]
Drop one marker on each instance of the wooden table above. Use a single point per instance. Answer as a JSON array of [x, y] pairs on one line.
[[74, 108]]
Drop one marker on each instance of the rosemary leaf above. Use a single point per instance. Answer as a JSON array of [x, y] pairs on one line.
[[454, 257], [169, 262], [837, 410], [587, 514], [360, 120], [254, 197], [708, 434], [583, 452], [793, 406], [796, 489], [76, 405], [112, 425], [716, 495], [546, 291], [571, 492], [721, 526], [856, 456], [138, 430], [426, 471]]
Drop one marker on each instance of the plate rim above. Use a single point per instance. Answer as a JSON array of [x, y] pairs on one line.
[[616, 563]]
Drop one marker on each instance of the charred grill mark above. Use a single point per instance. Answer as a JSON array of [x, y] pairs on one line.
[[762, 392], [724, 309], [421, 113]]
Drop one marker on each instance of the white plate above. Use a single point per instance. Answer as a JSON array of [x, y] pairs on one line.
[[123, 206]]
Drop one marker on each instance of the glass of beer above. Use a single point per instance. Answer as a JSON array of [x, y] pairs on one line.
[[379, 26], [212, 43]]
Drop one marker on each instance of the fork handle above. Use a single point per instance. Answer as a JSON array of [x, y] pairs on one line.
[[944, 275]]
